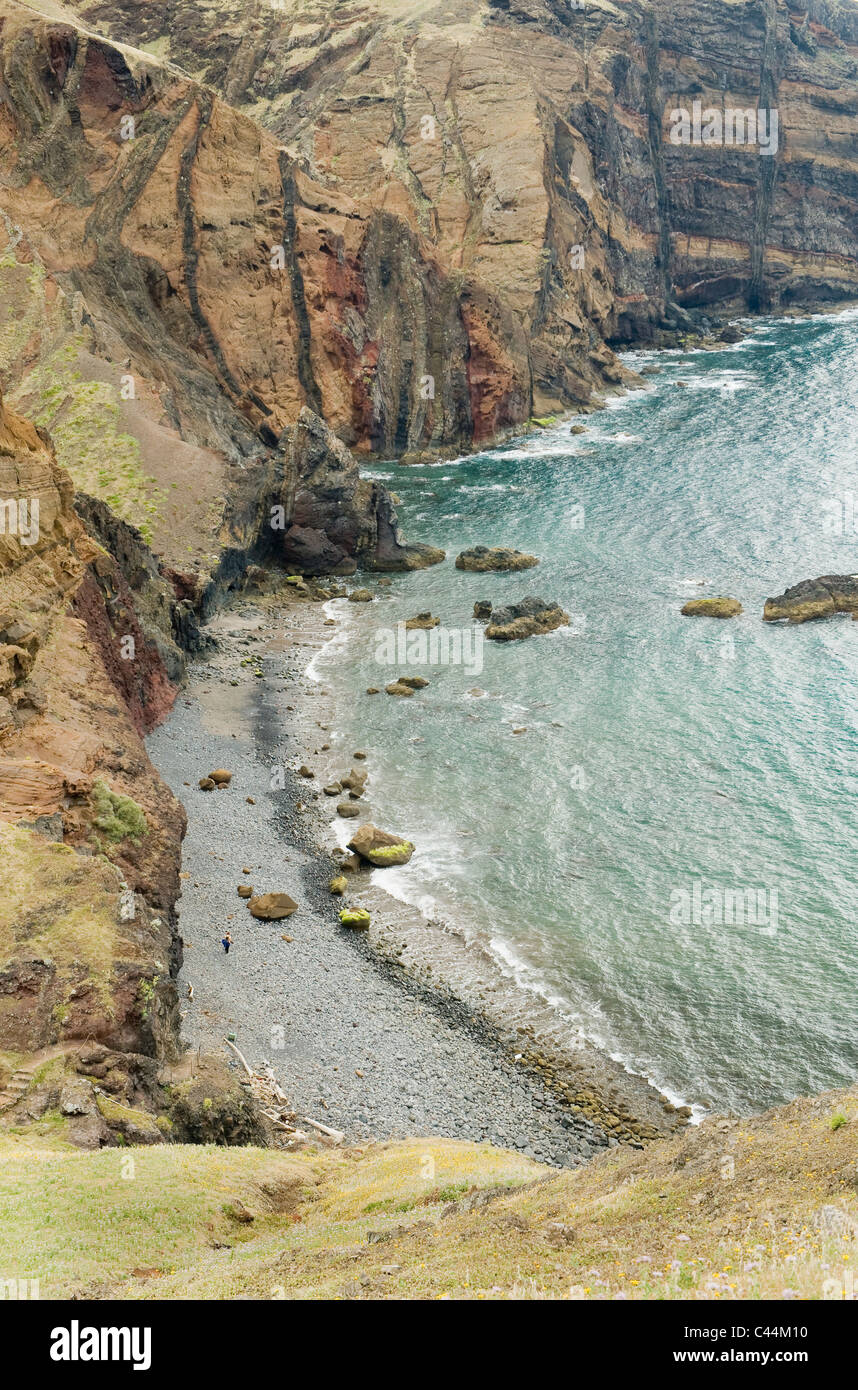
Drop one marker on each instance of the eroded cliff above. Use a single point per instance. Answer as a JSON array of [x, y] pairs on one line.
[[526, 144], [90, 835]]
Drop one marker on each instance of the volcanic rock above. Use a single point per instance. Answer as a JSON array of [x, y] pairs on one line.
[[379, 847], [483, 559], [271, 907], [814, 598], [525, 619], [715, 607]]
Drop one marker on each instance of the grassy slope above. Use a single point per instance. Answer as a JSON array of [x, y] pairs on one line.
[[731, 1211]]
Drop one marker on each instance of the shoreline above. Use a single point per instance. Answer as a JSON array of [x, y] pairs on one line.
[[511, 1073]]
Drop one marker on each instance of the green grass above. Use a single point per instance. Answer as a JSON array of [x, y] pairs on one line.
[[118, 817]]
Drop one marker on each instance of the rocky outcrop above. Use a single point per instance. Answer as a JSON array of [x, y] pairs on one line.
[[483, 559], [338, 521], [528, 618], [815, 598], [715, 607]]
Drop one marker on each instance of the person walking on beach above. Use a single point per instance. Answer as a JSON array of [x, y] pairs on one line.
[[226, 942]]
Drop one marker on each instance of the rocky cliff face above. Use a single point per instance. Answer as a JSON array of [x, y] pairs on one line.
[[424, 225], [90, 837], [525, 145]]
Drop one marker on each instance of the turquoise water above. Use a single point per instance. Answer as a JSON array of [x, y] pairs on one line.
[[659, 751]]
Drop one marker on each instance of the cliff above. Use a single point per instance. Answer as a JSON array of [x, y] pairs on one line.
[[91, 837], [520, 201]]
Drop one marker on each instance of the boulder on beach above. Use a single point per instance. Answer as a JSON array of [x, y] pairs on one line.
[[482, 610], [525, 619], [221, 777], [379, 847], [355, 780], [716, 607], [206, 784], [422, 620], [332, 789], [483, 559], [305, 771], [271, 907], [356, 917], [348, 810], [245, 890], [814, 598], [338, 885]]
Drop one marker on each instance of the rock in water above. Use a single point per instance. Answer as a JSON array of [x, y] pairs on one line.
[[271, 907], [415, 682], [422, 620], [525, 619], [482, 610], [357, 917], [399, 688], [715, 607], [380, 848], [482, 559], [815, 598], [360, 596], [355, 780], [349, 810]]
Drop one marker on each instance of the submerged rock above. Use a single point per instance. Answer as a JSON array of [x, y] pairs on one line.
[[379, 847], [715, 607], [482, 559], [814, 598], [525, 619], [348, 810]]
